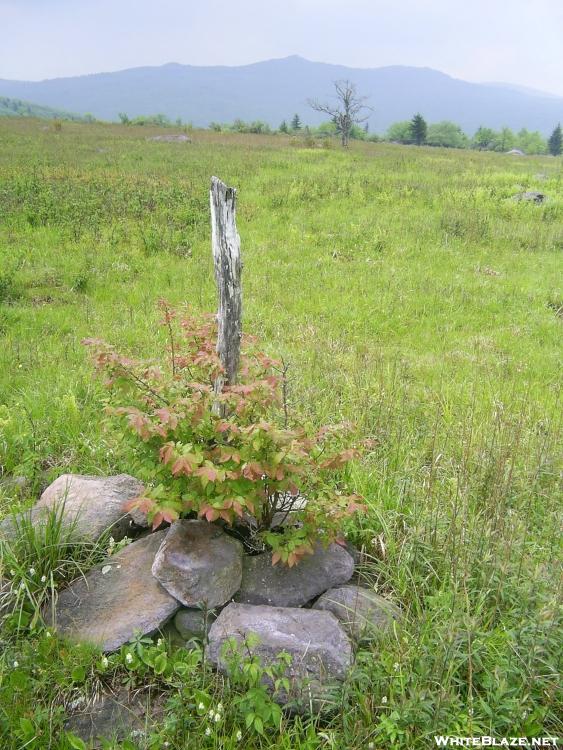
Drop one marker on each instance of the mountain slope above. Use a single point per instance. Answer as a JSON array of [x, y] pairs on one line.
[[275, 89]]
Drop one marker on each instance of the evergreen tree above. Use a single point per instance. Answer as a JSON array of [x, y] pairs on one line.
[[419, 129], [283, 127], [555, 142], [296, 122]]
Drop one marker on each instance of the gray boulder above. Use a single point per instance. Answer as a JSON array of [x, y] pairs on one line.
[[320, 650], [531, 196], [199, 564], [171, 138], [280, 586], [90, 506], [194, 623], [109, 717], [115, 601], [362, 613]]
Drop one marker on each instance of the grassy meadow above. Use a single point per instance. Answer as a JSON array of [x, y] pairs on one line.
[[410, 294]]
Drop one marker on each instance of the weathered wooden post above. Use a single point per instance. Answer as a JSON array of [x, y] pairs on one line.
[[228, 266]]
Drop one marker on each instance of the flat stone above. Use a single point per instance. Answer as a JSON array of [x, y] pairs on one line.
[[199, 564], [115, 601], [362, 613], [280, 586], [90, 506], [194, 623], [113, 718], [171, 138], [320, 650]]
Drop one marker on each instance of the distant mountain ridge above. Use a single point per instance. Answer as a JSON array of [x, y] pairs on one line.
[[274, 90]]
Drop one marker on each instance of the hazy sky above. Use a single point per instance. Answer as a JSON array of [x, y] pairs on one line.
[[517, 41]]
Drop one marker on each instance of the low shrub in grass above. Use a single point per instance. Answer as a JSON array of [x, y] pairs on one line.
[[222, 455]]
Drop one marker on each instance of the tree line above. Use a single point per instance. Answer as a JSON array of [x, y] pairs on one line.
[[416, 131], [349, 113]]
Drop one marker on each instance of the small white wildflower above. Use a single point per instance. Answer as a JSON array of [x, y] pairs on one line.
[[111, 542], [470, 712], [166, 744], [105, 661], [239, 736], [208, 731], [524, 714], [159, 642], [48, 634], [220, 706], [370, 745], [22, 585], [217, 717], [201, 707], [32, 571], [129, 658], [43, 579], [16, 664], [12, 573], [396, 666], [384, 700]]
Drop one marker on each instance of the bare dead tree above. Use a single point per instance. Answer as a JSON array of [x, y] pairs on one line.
[[346, 111]]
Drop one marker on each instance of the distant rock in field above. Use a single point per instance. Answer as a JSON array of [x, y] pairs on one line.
[[531, 195], [516, 152], [320, 650], [193, 623], [280, 586], [109, 717], [179, 138], [115, 600], [361, 612], [199, 564]]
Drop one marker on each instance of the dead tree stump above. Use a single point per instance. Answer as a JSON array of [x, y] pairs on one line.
[[228, 266]]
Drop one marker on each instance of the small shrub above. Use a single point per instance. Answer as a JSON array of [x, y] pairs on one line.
[[221, 456], [9, 290]]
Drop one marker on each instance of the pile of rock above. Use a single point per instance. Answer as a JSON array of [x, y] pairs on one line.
[[197, 576]]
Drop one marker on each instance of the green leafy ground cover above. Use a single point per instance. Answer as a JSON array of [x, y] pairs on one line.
[[410, 295]]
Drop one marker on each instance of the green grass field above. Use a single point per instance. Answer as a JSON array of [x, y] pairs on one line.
[[411, 295]]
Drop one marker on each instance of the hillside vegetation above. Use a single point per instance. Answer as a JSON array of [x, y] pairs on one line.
[[411, 295], [18, 108]]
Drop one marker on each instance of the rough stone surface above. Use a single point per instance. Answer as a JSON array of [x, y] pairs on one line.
[[115, 600], [280, 586], [199, 564], [92, 505], [97, 503], [112, 718], [193, 623], [319, 648], [362, 613]]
